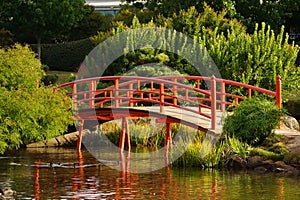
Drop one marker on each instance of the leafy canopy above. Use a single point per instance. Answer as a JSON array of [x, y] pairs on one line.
[[42, 18], [28, 113]]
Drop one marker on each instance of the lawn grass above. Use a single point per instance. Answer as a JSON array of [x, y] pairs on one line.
[[63, 77]]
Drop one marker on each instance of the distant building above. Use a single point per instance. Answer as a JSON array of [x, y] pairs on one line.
[[111, 7]]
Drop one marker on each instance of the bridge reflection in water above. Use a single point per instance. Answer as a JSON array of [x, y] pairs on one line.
[[95, 181]]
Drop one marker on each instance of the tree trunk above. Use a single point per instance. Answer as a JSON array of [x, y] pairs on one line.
[[39, 48]]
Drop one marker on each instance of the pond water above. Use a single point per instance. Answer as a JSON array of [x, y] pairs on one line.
[[61, 173]]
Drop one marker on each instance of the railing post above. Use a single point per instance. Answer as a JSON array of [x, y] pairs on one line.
[[213, 102], [130, 95], [175, 92], [116, 93], [223, 96], [151, 88], [278, 92], [92, 93], [74, 90], [161, 97]]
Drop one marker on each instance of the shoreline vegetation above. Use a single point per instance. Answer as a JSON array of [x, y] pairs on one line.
[[227, 153]]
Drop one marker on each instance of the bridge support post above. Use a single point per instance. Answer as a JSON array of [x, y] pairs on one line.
[[79, 140], [213, 102], [168, 142], [124, 137]]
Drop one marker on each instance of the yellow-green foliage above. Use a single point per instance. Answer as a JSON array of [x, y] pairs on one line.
[[19, 68], [27, 113]]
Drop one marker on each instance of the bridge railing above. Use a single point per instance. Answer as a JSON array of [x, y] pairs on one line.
[[175, 91]]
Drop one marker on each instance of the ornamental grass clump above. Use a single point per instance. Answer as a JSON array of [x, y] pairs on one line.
[[253, 121]]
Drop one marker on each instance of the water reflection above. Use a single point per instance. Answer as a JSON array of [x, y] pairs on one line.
[[65, 174]]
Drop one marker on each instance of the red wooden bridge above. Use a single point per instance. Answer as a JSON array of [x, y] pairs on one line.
[[195, 101]]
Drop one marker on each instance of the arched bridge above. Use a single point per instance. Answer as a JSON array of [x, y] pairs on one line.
[[195, 101]]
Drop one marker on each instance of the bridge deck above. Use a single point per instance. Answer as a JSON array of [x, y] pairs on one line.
[[187, 116]]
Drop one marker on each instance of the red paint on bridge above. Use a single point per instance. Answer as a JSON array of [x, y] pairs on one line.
[[123, 96]]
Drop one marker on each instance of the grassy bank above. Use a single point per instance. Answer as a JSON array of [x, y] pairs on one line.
[[203, 152]]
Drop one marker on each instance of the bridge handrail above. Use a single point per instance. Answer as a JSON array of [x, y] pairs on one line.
[[211, 93]]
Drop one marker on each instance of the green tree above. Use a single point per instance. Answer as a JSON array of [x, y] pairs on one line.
[[19, 68], [168, 8], [26, 18], [273, 12], [92, 23], [28, 113]]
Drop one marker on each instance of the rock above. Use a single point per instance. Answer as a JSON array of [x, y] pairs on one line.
[[280, 170], [69, 139], [290, 122], [260, 169], [281, 166], [254, 161], [6, 193], [237, 162], [268, 164]]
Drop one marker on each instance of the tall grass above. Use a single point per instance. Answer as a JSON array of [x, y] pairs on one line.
[[203, 152]]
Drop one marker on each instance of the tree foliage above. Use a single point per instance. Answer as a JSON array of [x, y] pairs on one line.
[[26, 18], [91, 23], [168, 8], [254, 59], [19, 68], [272, 12], [28, 113]]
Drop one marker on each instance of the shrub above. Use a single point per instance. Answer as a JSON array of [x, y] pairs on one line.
[[19, 68], [27, 113], [253, 121]]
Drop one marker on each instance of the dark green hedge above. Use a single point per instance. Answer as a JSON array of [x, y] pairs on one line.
[[65, 56]]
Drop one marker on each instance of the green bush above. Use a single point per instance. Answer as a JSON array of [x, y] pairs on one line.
[[253, 121], [19, 68], [28, 113], [65, 56]]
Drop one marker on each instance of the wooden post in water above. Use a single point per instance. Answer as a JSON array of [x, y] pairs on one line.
[[123, 134], [168, 142], [79, 140], [127, 137]]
